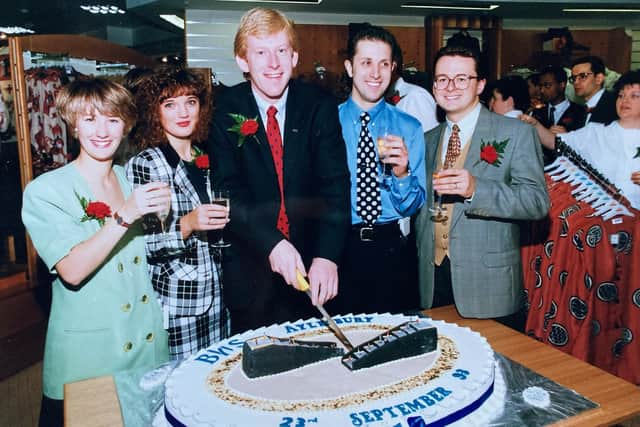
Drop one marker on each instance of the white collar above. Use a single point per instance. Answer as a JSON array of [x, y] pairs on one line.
[[595, 98]]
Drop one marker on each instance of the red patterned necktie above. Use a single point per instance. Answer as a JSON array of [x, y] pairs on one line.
[[453, 148], [275, 142]]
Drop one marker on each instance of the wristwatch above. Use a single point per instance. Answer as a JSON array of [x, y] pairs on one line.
[[121, 222]]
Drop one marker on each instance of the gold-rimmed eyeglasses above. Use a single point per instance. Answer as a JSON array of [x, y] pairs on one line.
[[461, 81], [579, 77]]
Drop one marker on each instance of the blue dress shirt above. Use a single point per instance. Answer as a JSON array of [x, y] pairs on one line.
[[400, 197]]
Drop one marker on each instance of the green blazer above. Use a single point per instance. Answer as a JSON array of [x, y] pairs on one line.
[[484, 234], [113, 321]]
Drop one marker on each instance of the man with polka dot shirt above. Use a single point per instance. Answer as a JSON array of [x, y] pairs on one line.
[[385, 153]]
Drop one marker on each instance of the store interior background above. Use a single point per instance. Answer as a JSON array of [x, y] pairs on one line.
[[513, 35]]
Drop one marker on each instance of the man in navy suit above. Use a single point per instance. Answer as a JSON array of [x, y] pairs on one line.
[[277, 146], [560, 114], [587, 76]]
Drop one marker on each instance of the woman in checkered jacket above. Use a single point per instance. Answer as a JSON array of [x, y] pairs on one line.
[[174, 111]]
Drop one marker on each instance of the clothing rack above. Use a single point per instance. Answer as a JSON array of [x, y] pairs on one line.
[[562, 149]]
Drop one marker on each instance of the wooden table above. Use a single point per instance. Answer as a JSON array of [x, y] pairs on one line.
[[94, 402]]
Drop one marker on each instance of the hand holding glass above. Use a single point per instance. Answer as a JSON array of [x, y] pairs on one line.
[[438, 213], [382, 154], [163, 214], [221, 198]]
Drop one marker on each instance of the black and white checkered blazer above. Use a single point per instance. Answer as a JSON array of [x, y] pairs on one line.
[[183, 272]]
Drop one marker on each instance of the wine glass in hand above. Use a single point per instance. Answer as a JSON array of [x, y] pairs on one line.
[[163, 214], [221, 198], [438, 212], [381, 143]]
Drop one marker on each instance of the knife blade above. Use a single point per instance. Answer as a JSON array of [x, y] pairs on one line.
[[303, 285]]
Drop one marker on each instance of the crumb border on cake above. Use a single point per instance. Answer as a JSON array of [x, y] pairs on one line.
[[216, 381]]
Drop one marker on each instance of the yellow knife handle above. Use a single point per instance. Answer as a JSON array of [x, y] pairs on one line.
[[303, 285]]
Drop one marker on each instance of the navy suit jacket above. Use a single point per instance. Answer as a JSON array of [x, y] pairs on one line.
[[605, 109], [316, 186]]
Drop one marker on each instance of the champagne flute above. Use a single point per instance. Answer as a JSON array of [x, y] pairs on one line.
[[221, 198], [437, 211], [166, 210], [381, 143]]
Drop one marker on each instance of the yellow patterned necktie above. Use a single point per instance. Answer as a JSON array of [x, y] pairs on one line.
[[453, 148]]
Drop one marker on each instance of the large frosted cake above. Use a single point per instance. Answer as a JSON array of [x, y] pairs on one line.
[[458, 383]]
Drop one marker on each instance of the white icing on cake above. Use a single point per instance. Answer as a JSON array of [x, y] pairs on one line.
[[210, 388]]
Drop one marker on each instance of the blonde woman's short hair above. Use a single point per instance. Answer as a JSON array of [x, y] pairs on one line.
[[261, 22], [88, 96]]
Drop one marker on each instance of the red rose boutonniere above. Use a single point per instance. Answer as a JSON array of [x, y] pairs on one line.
[[566, 121], [244, 127], [99, 211], [394, 97], [492, 151], [200, 158]]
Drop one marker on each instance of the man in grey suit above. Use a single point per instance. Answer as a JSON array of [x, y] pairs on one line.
[[488, 171]]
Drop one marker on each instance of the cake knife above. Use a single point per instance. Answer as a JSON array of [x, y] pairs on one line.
[[303, 285]]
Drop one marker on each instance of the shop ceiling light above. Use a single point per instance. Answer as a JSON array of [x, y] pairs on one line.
[[174, 19], [316, 2], [16, 30], [102, 8], [433, 6], [603, 10]]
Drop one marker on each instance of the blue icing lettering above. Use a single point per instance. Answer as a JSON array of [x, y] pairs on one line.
[[402, 409], [208, 358], [389, 409], [426, 399], [236, 342], [431, 398], [366, 417], [443, 391], [290, 329], [355, 420], [377, 413], [211, 356], [415, 406]]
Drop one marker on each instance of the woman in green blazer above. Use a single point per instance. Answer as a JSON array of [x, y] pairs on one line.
[[83, 220]]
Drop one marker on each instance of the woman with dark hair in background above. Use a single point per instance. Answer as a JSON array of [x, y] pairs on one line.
[[174, 112], [83, 221]]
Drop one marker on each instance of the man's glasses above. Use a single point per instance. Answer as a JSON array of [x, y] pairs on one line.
[[461, 81], [579, 77]]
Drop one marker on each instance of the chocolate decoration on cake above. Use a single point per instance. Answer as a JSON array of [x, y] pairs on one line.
[[405, 340], [266, 355]]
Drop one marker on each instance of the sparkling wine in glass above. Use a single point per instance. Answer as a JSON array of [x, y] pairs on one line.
[[381, 143], [221, 198], [438, 212], [164, 213]]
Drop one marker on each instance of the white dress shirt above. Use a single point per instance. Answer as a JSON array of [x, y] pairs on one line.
[[611, 150], [560, 108], [281, 106], [418, 102]]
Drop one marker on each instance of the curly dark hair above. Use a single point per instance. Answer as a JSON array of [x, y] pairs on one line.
[[163, 83]]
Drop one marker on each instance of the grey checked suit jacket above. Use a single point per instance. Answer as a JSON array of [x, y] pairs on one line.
[[484, 235]]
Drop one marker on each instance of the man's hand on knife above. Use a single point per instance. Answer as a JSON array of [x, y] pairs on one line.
[[285, 260], [323, 279]]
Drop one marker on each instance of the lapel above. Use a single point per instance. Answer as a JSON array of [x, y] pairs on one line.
[[294, 143], [181, 180], [262, 148], [433, 148], [481, 132], [178, 177]]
